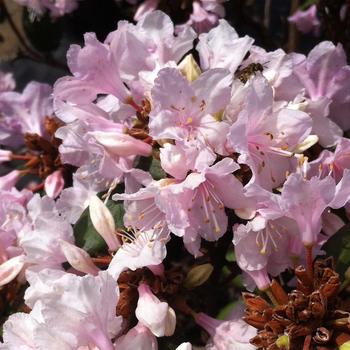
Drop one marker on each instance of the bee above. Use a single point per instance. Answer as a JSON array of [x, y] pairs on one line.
[[244, 74]]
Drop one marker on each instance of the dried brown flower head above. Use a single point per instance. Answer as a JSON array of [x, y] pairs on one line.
[[308, 317]]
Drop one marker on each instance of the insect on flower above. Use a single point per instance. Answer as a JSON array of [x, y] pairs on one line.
[[245, 73]]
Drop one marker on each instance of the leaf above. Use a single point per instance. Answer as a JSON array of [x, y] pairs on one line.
[[117, 210], [87, 238], [156, 170], [338, 246], [226, 310], [152, 165]]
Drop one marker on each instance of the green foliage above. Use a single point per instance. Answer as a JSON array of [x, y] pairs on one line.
[[87, 237], [152, 165], [225, 311], [338, 246]]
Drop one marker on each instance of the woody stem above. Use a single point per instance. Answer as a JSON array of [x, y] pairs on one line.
[[309, 261]]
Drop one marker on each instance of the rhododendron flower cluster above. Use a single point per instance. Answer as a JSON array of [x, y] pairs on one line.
[[152, 178]]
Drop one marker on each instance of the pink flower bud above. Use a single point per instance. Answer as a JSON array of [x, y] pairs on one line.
[[78, 258], [162, 320], [103, 222], [54, 184], [10, 269], [121, 144]]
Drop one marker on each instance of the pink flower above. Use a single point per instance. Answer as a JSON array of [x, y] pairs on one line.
[[194, 208], [266, 137], [325, 73], [88, 304], [157, 316], [27, 111], [103, 68], [94, 72], [185, 112], [223, 48], [263, 246], [74, 200], [13, 217], [99, 147], [227, 335], [139, 337], [307, 21], [332, 163], [200, 19], [305, 200], [145, 248], [278, 70]]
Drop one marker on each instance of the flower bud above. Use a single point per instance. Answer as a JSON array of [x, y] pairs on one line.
[[54, 184], [10, 269], [198, 275], [189, 68], [170, 322], [345, 346], [122, 145], [78, 258], [162, 320], [103, 222], [283, 342]]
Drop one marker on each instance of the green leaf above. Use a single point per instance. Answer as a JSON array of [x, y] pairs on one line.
[[152, 165], [156, 170], [117, 210], [225, 311], [87, 238], [338, 246]]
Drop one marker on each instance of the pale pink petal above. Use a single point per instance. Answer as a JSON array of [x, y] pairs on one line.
[[54, 184]]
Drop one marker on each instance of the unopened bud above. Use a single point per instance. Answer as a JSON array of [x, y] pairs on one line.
[[78, 258], [170, 323], [10, 269], [198, 275], [345, 346], [189, 68], [54, 184], [103, 222], [283, 342]]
